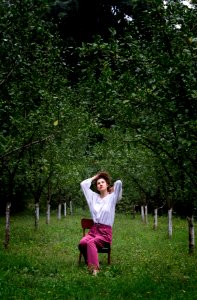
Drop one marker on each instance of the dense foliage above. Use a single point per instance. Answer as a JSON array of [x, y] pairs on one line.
[[117, 92]]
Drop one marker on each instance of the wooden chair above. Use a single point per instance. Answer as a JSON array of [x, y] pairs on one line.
[[86, 224]]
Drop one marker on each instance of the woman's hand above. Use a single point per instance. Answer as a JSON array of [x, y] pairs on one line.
[[94, 177], [111, 189]]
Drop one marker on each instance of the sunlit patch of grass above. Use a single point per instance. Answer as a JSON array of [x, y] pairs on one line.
[[43, 263]]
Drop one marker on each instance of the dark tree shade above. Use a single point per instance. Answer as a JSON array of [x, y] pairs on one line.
[[82, 20]]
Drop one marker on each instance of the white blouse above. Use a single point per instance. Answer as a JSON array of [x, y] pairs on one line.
[[102, 209]]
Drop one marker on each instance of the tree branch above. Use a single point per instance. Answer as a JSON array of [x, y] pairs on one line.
[[6, 78], [25, 146]]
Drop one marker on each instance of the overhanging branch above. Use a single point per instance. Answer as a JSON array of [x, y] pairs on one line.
[[25, 146]]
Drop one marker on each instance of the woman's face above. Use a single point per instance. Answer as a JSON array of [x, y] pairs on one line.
[[101, 185]]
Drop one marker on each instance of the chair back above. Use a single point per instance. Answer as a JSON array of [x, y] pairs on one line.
[[86, 224]]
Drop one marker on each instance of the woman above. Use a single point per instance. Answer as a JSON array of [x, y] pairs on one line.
[[102, 209]]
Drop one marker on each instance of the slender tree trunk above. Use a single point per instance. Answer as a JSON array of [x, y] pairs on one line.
[[133, 211], [155, 219], [48, 209], [7, 225], [64, 209], [142, 213], [71, 208], [146, 214], [191, 234], [37, 215], [170, 223], [59, 211], [48, 214]]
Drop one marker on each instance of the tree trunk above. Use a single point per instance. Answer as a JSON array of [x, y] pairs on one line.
[[37, 215], [191, 234], [146, 214], [155, 219], [133, 211], [170, 223], [64, 209], [59, 211], [71, 208], [48, 210], [7, 225], [142, 213], [48, 214]]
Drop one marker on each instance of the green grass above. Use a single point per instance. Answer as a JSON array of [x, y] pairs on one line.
[[43, 264]]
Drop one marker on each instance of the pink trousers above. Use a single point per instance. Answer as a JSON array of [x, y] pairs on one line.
[[96, 238]]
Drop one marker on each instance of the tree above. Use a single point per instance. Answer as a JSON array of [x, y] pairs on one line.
[[28, 86]]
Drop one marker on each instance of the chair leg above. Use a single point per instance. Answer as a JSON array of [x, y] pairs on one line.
[[109, 257], [80, 256]]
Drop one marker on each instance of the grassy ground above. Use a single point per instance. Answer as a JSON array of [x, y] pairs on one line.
[[43, 264]]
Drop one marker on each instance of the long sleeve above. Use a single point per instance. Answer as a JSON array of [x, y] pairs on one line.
[[118, 190], [85, 186]]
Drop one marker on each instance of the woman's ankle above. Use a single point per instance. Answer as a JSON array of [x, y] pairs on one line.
[[93, 269], [95, 272]]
